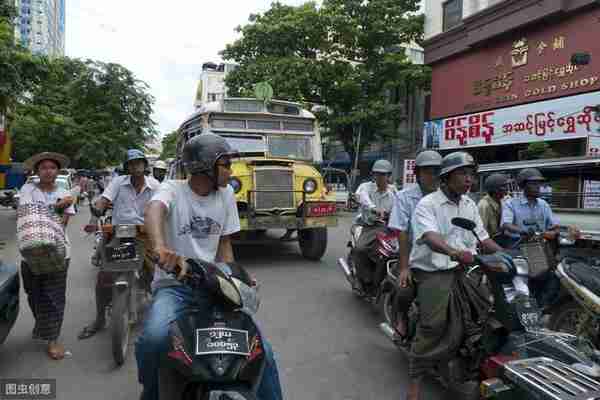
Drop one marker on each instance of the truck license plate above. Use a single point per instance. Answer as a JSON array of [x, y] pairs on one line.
[[222, 340]]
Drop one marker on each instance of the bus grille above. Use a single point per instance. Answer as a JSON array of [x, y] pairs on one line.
[[274, 179], [552, 379]]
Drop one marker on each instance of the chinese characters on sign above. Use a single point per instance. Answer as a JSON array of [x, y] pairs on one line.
[[409, 177], [558, 119], [27, 389]]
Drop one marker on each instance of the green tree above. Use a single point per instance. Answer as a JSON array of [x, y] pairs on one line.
[[345, 55], [169, 146], [88, 110]]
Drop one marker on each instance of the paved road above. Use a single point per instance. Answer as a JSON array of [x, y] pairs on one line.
[[327, 342]]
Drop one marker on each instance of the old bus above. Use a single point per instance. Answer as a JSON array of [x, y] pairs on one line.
[[275, 181]]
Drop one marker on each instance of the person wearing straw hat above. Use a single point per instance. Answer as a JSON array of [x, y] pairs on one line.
[[46, 293]]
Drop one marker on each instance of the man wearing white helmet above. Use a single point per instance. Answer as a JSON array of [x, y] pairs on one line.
[[427, 168], [375, 199], [159, 170]]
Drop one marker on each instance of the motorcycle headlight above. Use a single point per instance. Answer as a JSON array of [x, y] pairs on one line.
[[125, 231], [236, 184], [310, 186]]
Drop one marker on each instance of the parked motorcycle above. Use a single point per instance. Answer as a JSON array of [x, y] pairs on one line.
[[9, 298], [512, 335], [579, 274], [217, 353], [386, 251]]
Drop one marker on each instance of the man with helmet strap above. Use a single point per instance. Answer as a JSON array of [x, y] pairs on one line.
[[439, 248], [159, 170], [128, 195], [490, 206], [191, 219], [528, 213], [427, 168], [375, 199]]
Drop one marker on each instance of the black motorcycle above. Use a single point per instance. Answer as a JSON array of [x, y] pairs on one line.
[[510, 332], [9, 298], [216, 353]]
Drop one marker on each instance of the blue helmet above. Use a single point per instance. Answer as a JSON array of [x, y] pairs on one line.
[[134, 154]]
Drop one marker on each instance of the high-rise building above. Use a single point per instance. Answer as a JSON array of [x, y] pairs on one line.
[[40, 26]]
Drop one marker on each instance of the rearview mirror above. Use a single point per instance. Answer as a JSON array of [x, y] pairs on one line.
[[464, 223]]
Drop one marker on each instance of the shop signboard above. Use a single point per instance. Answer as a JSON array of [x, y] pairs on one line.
[[527, 66], [558, 119], [591, 198], [409, 178]]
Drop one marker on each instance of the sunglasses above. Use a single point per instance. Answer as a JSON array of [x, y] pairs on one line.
[[225, 164]]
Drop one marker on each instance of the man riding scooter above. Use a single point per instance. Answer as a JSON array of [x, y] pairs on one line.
[[128, 195], [526, 214], [438, 252], [427, 165], [375, 199]]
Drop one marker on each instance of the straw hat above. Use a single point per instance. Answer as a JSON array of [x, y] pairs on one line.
[[32, 162]]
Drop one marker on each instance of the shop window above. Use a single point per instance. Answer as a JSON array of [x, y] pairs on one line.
[[453, 13]]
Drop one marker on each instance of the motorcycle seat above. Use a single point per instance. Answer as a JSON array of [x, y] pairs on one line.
[[584, 274]]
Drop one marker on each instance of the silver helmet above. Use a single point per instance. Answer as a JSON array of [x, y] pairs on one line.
[[529, 174], [382, 167], [458, 159], [428, 158], [495, 182]]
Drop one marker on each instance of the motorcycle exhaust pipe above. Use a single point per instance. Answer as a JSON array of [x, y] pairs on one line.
[[388, 331], [345, 269]]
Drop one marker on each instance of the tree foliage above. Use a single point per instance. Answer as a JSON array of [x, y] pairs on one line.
[[88, 110], [169, 146], [345, 55], [19, 70]]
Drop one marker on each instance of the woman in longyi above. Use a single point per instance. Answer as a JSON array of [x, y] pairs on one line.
[[46, 287]]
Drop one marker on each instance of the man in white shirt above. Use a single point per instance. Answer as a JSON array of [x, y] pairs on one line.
[[191, 219], [376, 199], [427, 170], [439, 248], [128, 195]]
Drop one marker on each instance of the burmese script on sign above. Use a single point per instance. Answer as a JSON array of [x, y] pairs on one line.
[[559, 119]]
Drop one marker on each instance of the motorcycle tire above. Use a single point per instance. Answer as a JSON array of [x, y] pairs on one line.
[[386, 307], [119, 324]]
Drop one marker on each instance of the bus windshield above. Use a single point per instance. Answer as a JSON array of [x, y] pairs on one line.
[[298, 148], [247, 144]]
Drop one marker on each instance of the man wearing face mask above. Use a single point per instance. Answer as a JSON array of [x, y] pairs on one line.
[[439, 250], [128, 195], [427, 166], [528, 213]]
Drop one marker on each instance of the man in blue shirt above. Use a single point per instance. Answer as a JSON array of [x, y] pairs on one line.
[[528, 213]]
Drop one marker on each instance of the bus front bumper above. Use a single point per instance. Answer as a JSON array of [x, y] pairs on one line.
[[286, 222]]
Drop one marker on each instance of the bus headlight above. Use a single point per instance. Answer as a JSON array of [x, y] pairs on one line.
[[310, 186], [235, 184]]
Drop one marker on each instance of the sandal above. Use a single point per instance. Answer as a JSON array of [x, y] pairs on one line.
[[90, 331], [56, 351]]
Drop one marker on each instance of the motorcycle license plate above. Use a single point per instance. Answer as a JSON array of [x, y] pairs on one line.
[[222, 341], [124, 252]]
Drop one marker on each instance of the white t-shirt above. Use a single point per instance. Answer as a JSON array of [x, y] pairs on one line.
[[196, 223]]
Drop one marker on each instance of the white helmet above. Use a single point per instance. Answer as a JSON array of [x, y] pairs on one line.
[[160, 165], [382, 167]]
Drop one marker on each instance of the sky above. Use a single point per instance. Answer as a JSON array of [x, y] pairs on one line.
[[164, 43]]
